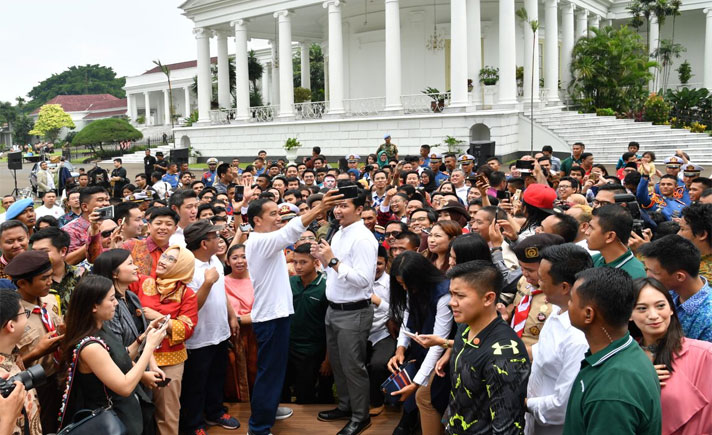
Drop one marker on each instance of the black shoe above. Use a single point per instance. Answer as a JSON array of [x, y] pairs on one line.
[[355, 427], [408, 424], [333, 414]]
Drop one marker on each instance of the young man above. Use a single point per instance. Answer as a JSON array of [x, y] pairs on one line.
[[489, 365], [583, 215], [7, 201], [118, 178], [145, 252], [171, 176], [23, 211], [666, 202], [206, 366], [675, 262], [273, 302], [210, 175], [616, 390], [65, 277], [575, 158], [308, 369], [31, 272], [185, 203], [83, 181], [45, 180], [351, 271], [90, 198], [75, 209], [548, 151], [49, 206], [186, 179], [608, 232], [379, 188], [130, 216], [696, 226], [13, 318], [561, 347], [225, 177], [404, 241], [14, 239], [381, 345]]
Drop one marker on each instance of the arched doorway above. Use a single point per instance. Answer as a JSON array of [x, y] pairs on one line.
[[185, 142], [479, 132], [481, 146]]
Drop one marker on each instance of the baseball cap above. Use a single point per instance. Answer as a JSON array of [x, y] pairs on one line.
[[540, 196]]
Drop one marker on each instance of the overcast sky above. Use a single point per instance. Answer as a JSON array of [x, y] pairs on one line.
[[44, 37]]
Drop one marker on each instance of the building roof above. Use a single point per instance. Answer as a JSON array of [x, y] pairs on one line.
[[108, 104], [107, 114], [81, 103], [179, 65]]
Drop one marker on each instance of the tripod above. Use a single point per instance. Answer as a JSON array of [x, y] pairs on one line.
[[15, 191]]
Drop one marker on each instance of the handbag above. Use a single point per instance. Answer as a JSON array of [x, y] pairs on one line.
[[86, 421]]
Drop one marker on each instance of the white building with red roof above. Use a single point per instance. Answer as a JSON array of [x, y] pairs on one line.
[[84, 109]]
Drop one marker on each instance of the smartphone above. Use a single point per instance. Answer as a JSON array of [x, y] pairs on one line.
[[524, 164], [164, 382], [165, 320], [348, 191], [517, 195], [245, 228], [239, 193], [503, 194], [409, 334], [480, 178], [105, 212]]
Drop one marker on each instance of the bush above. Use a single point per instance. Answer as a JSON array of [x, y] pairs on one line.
[[684, 72], [656, 109], [301, 94], [696, 127], [109, 130], [192, 118], [607, 111]]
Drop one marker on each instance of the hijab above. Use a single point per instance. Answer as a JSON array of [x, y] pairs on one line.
[[432, 185], [180, 272], [382, 163]]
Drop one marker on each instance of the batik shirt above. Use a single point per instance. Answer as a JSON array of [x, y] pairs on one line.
[[63, 290], [706, 266], [489, 381], [28, 422], [695, 313]]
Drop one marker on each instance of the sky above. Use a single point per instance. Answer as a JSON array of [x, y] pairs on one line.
[[44, 37]]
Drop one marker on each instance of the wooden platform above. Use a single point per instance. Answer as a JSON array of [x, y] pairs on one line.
[[304, 421]]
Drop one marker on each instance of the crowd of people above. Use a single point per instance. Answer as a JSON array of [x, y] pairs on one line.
[[548, 297]]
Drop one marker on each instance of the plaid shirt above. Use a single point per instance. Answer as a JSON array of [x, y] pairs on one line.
[[78, 231]]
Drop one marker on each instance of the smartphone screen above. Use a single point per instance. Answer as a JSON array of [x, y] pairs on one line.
[[348, 191], [239, 193]]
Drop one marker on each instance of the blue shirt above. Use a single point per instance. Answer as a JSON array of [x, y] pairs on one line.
[[171, 179], [695, 314]]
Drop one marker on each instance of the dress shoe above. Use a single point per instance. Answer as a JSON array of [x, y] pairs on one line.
[[408, 424], [355, 428], [333, 414], [375, 410]]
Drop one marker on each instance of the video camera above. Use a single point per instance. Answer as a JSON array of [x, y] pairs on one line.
[[629, 202]]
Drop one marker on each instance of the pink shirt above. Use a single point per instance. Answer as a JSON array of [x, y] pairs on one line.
[[240, 294], [686, 398]]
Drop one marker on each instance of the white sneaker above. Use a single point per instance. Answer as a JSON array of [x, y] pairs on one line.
[[283, 413]]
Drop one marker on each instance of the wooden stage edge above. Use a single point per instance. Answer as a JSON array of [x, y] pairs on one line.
[[304, 419]]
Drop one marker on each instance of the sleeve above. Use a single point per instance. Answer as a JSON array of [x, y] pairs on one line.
[[506, 379], [384, 215], [597, 417], [270, 243], [404, 340], [443, 325], [641, 193], [183, 325], [551, 409], [95, 249], [363, 264]]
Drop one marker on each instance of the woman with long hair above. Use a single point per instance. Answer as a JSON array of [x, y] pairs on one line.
[[446, 187], [682, 363], [165, 295], [419, 304], [241, 296], [223, 244], [104, 372], [469, 247], [441, 234]]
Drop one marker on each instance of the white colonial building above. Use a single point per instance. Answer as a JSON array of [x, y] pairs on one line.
[[405, 67]]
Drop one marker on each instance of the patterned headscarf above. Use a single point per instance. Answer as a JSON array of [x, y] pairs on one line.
[[181, 272]]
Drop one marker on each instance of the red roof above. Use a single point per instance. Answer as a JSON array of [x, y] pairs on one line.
[[108, 104], [180, 65], [109, 114], [79, 103]]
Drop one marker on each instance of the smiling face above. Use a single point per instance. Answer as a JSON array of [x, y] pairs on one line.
[[166, 261], [127, 272], [652, 313], [161, 229], [13, 242], [438, 241], [105, 310]]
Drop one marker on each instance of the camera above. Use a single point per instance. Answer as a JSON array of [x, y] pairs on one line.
[[629, 202], [30, 378]]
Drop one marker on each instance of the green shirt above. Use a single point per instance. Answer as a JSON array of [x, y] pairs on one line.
[[307, 333], [616, 392], [626, 262], [568, 163]]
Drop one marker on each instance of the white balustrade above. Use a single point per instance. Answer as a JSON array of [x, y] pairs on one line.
[[364, 106], [425, 103], [311, 110]]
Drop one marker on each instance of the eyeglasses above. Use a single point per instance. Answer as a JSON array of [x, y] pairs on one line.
[[168, 258], [26, 312], [392, 233], [106, 233]]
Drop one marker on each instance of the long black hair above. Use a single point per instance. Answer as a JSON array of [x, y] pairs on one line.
[[420, 277], [469, 247], [534, 216], [106, 263], [670, 345]]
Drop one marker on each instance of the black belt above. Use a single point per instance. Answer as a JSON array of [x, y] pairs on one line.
[[350, 306]]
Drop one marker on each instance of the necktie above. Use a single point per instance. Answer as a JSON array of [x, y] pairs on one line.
[[521, 312], [49, 326]]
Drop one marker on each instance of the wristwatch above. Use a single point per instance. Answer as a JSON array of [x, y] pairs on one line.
[[496, 248], [333, 262]]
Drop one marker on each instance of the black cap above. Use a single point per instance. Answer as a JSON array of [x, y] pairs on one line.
[[529, 249], [199, 229], [28, 262]]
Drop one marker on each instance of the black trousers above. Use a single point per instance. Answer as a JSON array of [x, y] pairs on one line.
[[303, 375], [203, 384], [378, 356]]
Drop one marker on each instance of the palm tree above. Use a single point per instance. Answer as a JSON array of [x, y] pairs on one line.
[[167, 71]]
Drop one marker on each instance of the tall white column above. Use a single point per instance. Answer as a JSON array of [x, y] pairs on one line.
[[275, 75], [531, 43], [224, 98], [551, 58], [507, 92], [130, 106], [166, 107], [567, 42], [325, 50], [336, 57], [594, 24], [458, 53], [205, 85], [653, 38], [147, 108], [708, 49], [242, 74], [286, 68], [474, 48], [186, 95], [306, 65], [266, 84], [581, 23], [393, 56]]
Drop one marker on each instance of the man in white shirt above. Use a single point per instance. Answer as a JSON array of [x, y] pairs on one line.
[[351, 271], [273, 301], [162, 189], [381, 345], [49, 206], [206, 366], [458, 180], [185, 203], [7, 201], [556, 357]]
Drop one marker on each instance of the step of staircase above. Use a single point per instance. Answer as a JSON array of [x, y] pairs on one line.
[[138, 156], [607, 137]]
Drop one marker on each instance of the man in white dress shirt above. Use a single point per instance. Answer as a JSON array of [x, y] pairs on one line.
[[556, 357], [49, 206], [351, 271], [273, 300]]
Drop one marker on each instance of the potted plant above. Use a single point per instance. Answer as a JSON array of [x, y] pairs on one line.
[[684, 72], [489, 76], [470, 86], [438, 102], [291, 146], [452, 144]]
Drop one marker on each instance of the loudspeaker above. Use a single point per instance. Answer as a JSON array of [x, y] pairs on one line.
[[179, 155], [14, 161], [481, 150]]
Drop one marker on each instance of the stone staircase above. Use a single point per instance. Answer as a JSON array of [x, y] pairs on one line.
[[607, 137], [138, 156]]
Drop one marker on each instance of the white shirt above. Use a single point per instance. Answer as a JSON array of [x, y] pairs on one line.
[[56, 211], [461, 193], [177, 238], [382, 288], [268, 271], [161, 188], [213, 327], [556, 360], [357, 251], [2, 217], [442, 326], [584, 244]]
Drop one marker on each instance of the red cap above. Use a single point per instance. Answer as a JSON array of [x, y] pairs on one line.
[[540, 196]]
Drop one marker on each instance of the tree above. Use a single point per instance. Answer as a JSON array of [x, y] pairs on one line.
[[167, 71], [254, 68], [610, 70], [51, 120], [21, 129], [77, 80], [109, 130], [534, 25], [316, 72]]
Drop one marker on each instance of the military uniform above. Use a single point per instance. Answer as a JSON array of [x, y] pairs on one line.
[[539, 311]]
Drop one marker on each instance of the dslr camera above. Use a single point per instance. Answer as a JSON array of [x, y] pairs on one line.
[[30, 378]]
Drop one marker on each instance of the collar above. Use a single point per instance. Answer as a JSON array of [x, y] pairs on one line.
[[480, 337], [696, 301], [151, 245], [315, 282], [609, 351], [620, 261], [349, 228]]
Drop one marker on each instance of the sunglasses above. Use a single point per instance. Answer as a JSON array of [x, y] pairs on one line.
[[106, 233], [392, 233]]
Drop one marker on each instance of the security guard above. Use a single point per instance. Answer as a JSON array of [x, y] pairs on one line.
[[352, 160], [435, 164], [467, 163], [666, 198], [672, 167], [690, 171]]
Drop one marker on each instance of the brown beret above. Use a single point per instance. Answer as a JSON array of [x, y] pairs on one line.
[[529, 249], [27, 263]]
